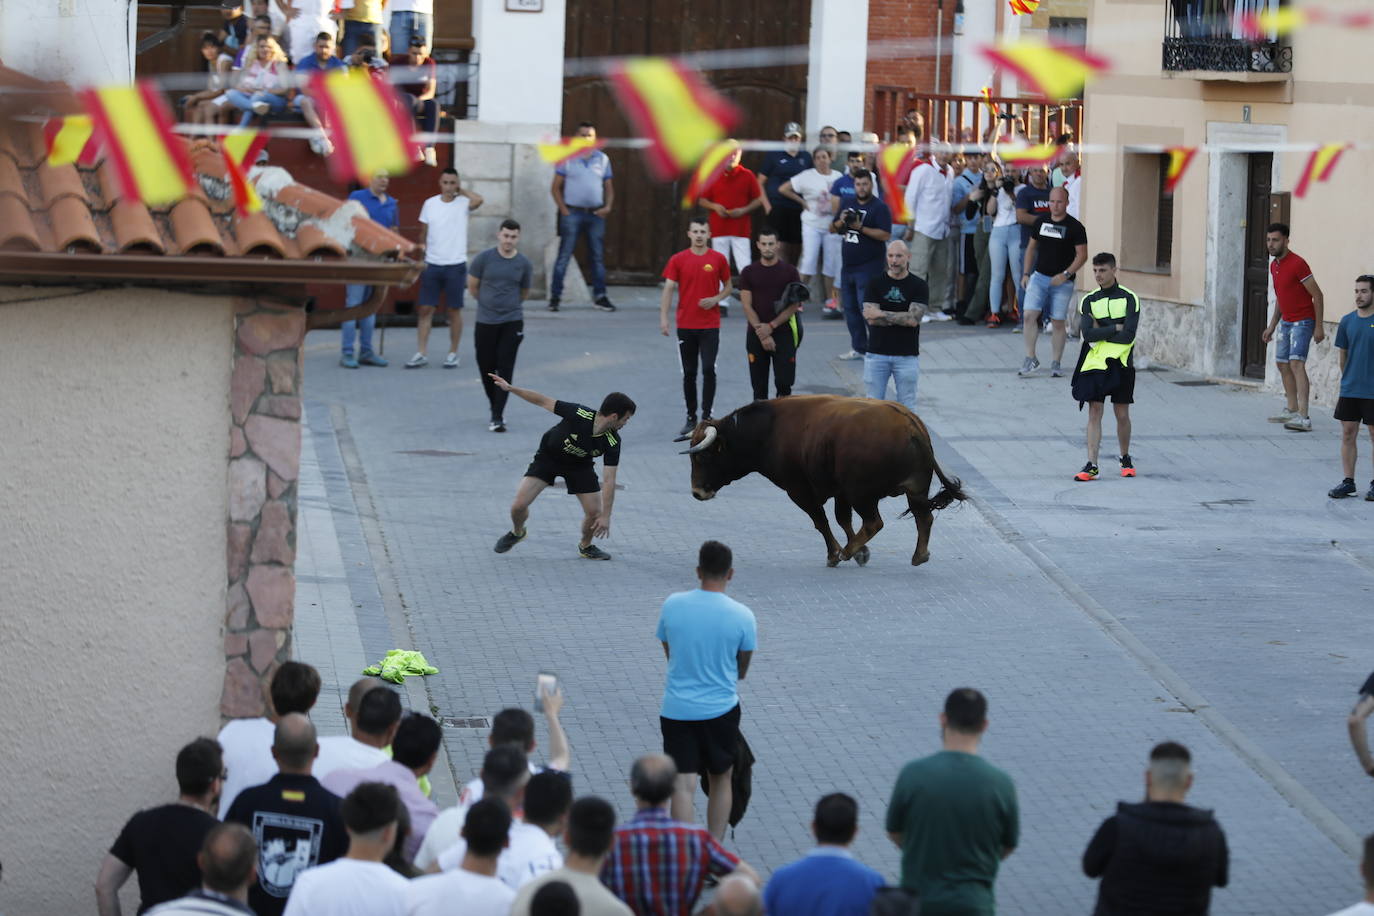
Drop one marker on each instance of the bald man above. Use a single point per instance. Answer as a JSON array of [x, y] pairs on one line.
[[737, 896], [228, 863], [294, 820], [894, 302]]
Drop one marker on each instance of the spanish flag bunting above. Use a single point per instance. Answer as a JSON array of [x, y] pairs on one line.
[[675, 109], [69, 140], [1179, 159], [1021, 157], [1319, 165], [1023, 7], [708, 170], [1051, 70], [895, 162], [370, 131], [567, 148], [240, 150], [135, 127], [986, 93], [1276, 22]]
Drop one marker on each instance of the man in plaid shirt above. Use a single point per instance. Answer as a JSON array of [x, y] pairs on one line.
[[657, 865]]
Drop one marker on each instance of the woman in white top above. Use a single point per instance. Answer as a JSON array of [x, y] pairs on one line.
[[264, 82], [811, 189], [206, 106], [1004, 245]]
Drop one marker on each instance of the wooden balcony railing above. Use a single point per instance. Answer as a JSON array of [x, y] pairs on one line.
[[965, 118]]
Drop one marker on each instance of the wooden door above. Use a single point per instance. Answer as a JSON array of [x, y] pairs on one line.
[[1256, 276], [647, 225]]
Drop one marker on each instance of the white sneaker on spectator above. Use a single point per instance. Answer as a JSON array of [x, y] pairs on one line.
[[850, 354], [452, 361], [431, 158], [261, 107], [416, 361], [940, 316], [315, 146]]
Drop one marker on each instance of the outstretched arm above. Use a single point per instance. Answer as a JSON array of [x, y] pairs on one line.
[[1359, 738], [534, 397]]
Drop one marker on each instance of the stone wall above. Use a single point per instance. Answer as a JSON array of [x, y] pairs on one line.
[[264, 459]]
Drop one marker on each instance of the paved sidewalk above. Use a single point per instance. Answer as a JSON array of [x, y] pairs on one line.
[[1100, 618]]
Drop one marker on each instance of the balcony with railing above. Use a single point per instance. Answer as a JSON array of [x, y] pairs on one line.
[[1214, 37]]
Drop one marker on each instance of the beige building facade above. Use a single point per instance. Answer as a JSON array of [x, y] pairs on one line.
[[1197, 258]]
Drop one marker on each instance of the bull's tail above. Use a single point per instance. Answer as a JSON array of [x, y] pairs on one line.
[[951, 488]]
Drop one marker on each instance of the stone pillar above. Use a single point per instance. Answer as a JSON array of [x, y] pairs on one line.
[[264, 460]]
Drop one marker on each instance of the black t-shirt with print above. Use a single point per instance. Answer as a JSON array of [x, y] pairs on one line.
[[161, 844], [296, 824], [1055, 243], [895, 296], [571, 442]]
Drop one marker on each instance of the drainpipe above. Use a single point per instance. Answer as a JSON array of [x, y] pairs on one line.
[[165, 35]]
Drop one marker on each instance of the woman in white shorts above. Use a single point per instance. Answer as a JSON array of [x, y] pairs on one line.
[[820, 246]]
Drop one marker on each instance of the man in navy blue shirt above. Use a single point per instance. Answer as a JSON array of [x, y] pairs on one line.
[[777, 168], [322, 61], [382, 208], [827, 881], [865, 229]]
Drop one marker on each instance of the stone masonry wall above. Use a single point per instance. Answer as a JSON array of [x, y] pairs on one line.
[[264, 459]]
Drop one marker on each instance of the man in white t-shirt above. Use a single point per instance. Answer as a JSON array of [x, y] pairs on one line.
[[374, 714], [247, 743], [358, 884], [820, 246], [505, 771], [591, 830], [473, 888], [516, 726], [1366, 906], [532, 850], [444, 235]]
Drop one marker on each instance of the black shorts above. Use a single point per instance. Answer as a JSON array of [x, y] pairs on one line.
[[580, 478], [786, 222], [1123, 393], [708, 742], [1355, 410]]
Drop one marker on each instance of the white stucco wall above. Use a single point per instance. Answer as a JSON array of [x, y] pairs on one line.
[[838, 61], [973, 71], [81, 42], [115, 418], [520, 80]]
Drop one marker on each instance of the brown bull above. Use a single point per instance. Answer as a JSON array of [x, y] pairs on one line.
[[822, 447]]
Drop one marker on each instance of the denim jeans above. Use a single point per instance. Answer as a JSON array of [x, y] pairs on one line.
[[1004, 249], [404, 24], [357, 295], [579, 221], [903, 370], [1293, 340], [1052, 300], [244, 103], [353, 30], [853, 282]]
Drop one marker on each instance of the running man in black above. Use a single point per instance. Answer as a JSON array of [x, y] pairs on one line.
[[569, 450]]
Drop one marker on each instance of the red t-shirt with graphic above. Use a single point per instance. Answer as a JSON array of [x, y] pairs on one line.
[[1295, 302], [698, 276], [732, 188]]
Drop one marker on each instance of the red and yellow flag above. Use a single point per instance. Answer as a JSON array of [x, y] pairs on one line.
[[986, 93], [1179, 159], [68, 140], [1319, 166], [1024, 157], [1051, 70], [895, 162], [675, 108], [135, 127], [567, 149], [370, 130], [1278, 22], [240, 150], [1023, 7], [708, 170]]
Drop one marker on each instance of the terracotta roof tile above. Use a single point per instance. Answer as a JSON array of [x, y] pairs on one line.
[[315, 243], [309, 201], [60, 181], [72, 226], [16, 227], [134, 229], [194, 228], [258, 237], [372, 238], [11, 181]]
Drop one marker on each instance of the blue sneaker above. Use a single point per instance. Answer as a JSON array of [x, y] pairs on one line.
[[348, 361], [372, 359]]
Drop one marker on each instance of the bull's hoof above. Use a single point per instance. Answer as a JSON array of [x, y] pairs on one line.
[[861, 556], [832, 560], [918, 558]]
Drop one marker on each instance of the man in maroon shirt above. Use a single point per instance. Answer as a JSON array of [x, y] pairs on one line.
[[1298, 320], [702, 278], [730, 199], [774, 326]]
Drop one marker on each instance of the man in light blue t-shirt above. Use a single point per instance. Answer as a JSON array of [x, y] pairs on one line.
[[708, 640]]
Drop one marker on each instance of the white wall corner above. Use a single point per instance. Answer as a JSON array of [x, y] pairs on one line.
[[837, 65]]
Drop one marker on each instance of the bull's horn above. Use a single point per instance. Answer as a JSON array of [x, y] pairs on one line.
[[705, 443]]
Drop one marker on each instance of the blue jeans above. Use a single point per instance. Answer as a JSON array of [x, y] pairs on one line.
[[244, 103], [1042, 297], [580, 220], [354, 30], [1293, 340], [853, 282], [1004, 247], [405, 24], [903, 370], [357, 295]]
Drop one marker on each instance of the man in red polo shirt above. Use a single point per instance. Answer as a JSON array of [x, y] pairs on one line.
[[702, 278], [730, 199], [1297, 318]]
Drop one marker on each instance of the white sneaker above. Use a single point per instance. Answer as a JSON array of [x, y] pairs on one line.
[[315, 146], [451, 361], [850, 354], [939, 316], [261, 108], [927, 318], [430, 157], [1300, 424], [1283, 416], [416, 361]]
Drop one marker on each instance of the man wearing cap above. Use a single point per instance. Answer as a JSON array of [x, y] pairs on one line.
[[778, 167]]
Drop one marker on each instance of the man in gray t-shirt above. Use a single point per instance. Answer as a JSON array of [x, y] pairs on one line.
[[499, 281]]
